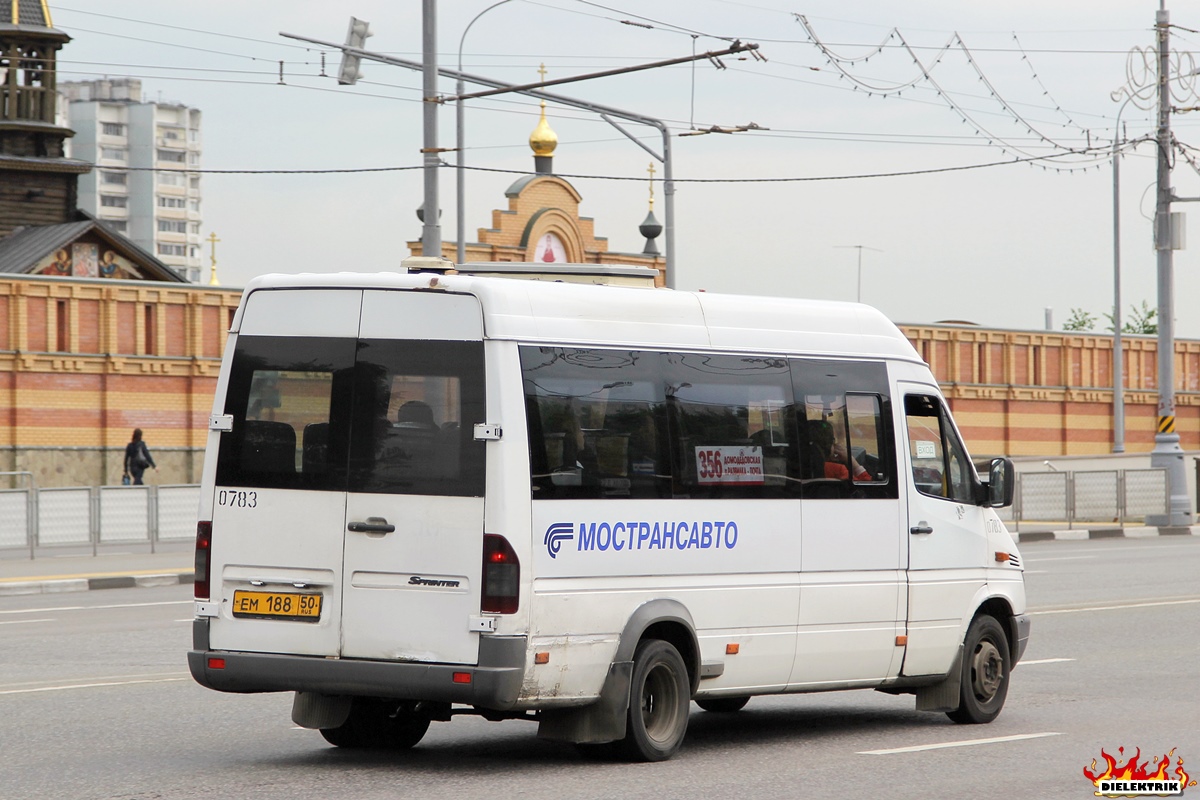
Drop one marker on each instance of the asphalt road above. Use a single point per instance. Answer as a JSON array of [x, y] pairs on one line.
[[95, 702]]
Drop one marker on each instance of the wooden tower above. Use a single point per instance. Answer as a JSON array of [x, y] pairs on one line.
[[37, 183]]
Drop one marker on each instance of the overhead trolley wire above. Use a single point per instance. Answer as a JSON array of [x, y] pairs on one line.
[[1102, 154]]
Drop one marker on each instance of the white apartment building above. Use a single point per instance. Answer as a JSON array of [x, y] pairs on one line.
[[157, 205]]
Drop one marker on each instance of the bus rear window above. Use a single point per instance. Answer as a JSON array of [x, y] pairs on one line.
[[372, 416], [416, 406], [282, 395]]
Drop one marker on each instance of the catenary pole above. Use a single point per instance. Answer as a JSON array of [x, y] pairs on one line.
[[1166, 454], [595, 108], [431, 233]]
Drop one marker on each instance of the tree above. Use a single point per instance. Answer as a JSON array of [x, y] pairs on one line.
[[1141, 320], [1080, 320]]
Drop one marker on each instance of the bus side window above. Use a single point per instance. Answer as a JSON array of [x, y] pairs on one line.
[[596, 423], [865, 425], [939, 460], [846, 447], [728, 424]]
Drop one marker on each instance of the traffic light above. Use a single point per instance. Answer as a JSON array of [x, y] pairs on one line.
[[348, 73]]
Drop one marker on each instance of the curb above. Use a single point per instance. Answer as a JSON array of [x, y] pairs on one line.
[[1105, 533], [62, 585]]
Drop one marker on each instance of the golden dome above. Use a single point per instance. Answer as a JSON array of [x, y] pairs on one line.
[[543, 140]]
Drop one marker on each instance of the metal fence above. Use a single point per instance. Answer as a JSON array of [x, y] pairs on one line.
[[1115, 497], [32, 518]]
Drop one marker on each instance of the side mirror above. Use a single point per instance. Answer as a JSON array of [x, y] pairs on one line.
[[1001, 483]]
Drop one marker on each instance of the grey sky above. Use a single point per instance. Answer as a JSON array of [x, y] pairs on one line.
[[995, 245]]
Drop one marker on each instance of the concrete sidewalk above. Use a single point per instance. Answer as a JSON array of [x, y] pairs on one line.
[[80, 573]]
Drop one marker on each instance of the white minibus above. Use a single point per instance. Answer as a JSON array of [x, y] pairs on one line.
[[587, 506]]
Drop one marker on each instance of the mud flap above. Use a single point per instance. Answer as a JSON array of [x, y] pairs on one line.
[[945, 694], [601, 721], [312, 710]]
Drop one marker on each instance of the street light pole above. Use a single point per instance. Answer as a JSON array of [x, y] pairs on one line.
[[595, 108], [460, 145], [859, 248], [1118, 344], [431, 240]]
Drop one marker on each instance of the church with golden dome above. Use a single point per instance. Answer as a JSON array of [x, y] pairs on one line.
[[542, 223]]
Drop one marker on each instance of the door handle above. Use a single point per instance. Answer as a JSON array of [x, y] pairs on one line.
[[920, 529], [372, 525]]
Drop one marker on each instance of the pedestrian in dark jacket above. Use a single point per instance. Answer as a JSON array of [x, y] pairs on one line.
[[137, 458]]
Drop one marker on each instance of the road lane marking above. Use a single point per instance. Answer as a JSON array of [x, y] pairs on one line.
[[23, 621], [95, 685], [1126, 545], [1043, 661], [90, 608], [164, 571], [1118, 606], [1057, 558], [965, 743], [94, 679]]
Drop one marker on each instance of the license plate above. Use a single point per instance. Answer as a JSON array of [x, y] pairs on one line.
[[277, 605]]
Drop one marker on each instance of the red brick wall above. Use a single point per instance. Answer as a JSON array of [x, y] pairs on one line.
[[176, 332], [35, 314], [211, 327], [127, 327], [941, 358], [89, 326], [1053, 368]]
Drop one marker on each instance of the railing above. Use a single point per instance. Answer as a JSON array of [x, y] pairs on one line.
[[1115, 497], [32, 518]]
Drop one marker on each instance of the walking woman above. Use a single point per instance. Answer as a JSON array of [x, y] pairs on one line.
[[137, 458]]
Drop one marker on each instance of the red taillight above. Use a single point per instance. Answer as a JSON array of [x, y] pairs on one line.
[[203, 558], [501, 576], [461, 677], [216, 663]]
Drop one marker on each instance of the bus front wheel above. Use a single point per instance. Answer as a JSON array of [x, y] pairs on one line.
[[986, 668]]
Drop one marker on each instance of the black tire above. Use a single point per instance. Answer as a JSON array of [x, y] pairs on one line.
[[377, 724], [985, 673], [659, 696], [723, 705]]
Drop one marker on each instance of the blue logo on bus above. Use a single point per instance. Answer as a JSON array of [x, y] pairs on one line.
[[556, 534], [643, 535]]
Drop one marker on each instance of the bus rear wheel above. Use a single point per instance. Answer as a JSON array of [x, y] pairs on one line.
[[379, 724], [659, 695]]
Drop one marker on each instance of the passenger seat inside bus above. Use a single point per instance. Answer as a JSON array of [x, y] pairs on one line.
[[269, 447], [416, 415], [316, 448]]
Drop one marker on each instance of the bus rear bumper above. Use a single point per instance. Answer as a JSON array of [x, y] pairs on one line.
[[495, 682]]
